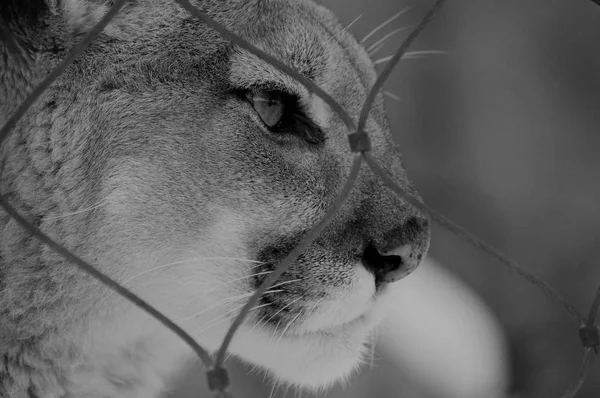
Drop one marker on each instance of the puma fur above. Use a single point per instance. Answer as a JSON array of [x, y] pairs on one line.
[[186, 168]]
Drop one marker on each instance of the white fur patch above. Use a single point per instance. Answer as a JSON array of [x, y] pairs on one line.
[[343, 305], [320, 111]]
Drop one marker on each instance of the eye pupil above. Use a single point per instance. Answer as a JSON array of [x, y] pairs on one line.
[[269, 106]]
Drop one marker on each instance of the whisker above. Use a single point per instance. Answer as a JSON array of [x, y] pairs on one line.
[[392, 95], [241, 278], [253, 275], [345, 29], [213, 324], [372, 345], [271, 291], [126, 282], [199, 257], [155, 269], [283, 308], [424, 52], [225, 301], [74, 213], [247, 260], [312, 308], [234, 280], [385, 23], [372, 49], [274, 389], [185, 262], [411, 55], [240, 259], [267, 321], [376, 49], [258, 264], [294, 319], [382, 60], [257, 323], [217, 304], [218, 319], [229, 282], [286, 282]]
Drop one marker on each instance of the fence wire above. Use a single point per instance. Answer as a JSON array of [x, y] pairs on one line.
[[359, 142]]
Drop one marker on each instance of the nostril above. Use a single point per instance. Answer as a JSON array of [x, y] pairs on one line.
[[388, 268], [414, 231]]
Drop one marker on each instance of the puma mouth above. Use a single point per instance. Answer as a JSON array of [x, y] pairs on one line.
[[359, 325], [345, 327], [296, 322]]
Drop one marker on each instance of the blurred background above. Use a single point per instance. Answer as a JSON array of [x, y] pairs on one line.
[[500, 133]]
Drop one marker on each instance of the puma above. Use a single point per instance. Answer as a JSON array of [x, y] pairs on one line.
[[186, 168]]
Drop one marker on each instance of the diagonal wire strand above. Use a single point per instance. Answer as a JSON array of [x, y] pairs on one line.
[[364, 114], [107, 281], [474, 241], [286, 262], [11, 123], [582, 374], [373, 48], [59, 70], [594, 308], [311, 86], [237, 40]]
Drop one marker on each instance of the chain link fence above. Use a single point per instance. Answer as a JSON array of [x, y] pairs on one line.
[[359, 145]]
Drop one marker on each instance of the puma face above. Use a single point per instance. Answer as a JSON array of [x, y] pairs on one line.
[[269, 162], [187, 169]]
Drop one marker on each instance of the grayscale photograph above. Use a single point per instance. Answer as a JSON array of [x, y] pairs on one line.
[[299, 199]]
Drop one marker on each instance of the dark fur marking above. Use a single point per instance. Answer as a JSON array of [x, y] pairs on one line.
[[13, 13]]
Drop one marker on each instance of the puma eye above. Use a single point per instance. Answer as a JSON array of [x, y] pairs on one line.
[[281, 113], [269, 105]]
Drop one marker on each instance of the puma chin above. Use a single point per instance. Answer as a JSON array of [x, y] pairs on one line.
[[312, 342], [187, 169]]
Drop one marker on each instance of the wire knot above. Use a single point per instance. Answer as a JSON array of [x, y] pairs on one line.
[[218, 379], [590, 337], [359, 142]]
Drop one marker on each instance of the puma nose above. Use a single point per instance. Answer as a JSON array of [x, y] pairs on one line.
[[395, 264], [390, 267]]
